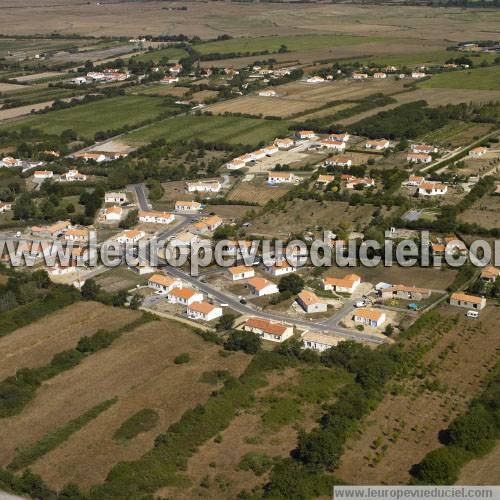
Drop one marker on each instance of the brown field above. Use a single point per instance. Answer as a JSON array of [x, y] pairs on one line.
[[34, 345], [409, 422], [38, 76], [207, 20], [229, 211], [10, 113], [303, 214], [204, 94], [485, 212], [411, 276], [485, 470], [10, 87], [139, 370], [300, 97], [120, 278], [324, 112], [257, 192]]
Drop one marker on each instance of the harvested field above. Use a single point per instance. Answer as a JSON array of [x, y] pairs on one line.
[[409, 422], [10, 113], [10, 87], [299, 97], [158, 89], [138, 369], [485, 470], [35, 344], [485, 212], [120, 278], [229, 211], [456, 133], [38, 76]]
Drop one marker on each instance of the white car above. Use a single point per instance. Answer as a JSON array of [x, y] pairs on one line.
[[360, 303]]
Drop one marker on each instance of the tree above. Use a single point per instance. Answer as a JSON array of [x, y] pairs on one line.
[[440, 466], [135, 302], [131, 220], [225, 322], [248, 342], [90, 289], [292, 283], [320, 447], [24, 208]]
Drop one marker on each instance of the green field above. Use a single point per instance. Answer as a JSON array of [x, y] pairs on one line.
[[87, 119], [445, 133], [155, 56], [302, 43], [416, 58], [234, 130], [472, 79]]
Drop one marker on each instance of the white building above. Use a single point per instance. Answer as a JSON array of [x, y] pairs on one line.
[[130, 236], [315, 79], [310, 302], [241, 272], [369, 317], [203, 311], [432, 189], [212, 186], [305, 134], [113, 213], [184, 296], [154, 217], [478, 152], [261, 287], [72, 176], [418, 74], [115, 198], [274, 177], [281, 269], [347, 284], [286, 143], [318, 341], [187, 206], [268, 93], [275, 332], [43, 174], [378, 144], [469, 301], [163, 284], [418, 158], [330, 143]]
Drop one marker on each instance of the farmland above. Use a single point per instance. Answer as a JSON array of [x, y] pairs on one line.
[[234, 130], [115, 112], [137, 369], [473, 79]]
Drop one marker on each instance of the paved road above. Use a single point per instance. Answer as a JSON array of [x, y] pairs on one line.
[[141, 192]]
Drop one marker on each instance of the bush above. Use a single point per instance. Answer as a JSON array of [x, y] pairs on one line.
[[248, 342], [182, 358], [291, 283], [257, 462], [440, 466], [142, 421]]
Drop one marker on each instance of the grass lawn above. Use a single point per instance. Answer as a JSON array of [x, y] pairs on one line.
[[87, 119], [302, 43], [473, 79], [234, 130]]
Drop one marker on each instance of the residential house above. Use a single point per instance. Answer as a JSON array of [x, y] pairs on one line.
[[418, 158], [319, 341], [432, 189], [52, 231], [315, 79], [184, 296], [305, 134], [163, 284], [274, 177], [208, 225], [61, 269], [347, 284], [330, 143], [261, 287], [414, 181], [344, 137], [209, 186], [339, 161], [268, 330], [378, 144], [115, 198], [490, 274], [241, 272], [5, 207], [9, 162], [203, 311], [281, 269], [460, 299], [404, 292], [379, 76], [188, 206], [43, 174], [478, 152], [168, 80], [359, 76], [324, 179], [72, 176], [88, 155], [184, 239], [175, 69], [351, 181], [77, 235], [155, 217], [423, 148], [235, 164], [310, 302], [369, 317], [130, 236], [268, 93], [270, 149], [286, 143], [113, 213], [418, 74]]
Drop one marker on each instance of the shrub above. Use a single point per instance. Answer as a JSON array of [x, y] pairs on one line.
[[142, 421], [248, 342], [182, 358]]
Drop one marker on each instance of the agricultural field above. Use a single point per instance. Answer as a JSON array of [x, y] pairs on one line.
[[137, 370], [233, 130], [115, 112], [257, 191], [406, 425], [155, 56], [485, 212], [120, 278], [472, 79], [157, 89], [36, 343], [456, 133]]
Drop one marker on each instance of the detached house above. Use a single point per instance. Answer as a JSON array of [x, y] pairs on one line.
[[478, 152], [163, 284], [460, 299], [187, 206], [418, 158], [319, 341], [261, 287], [339, 161], [369, 317], [212, 186], [490, 274], [113, 213], [280, 269], [324, 179], [344, 137], [359, 76], [77, 235], [53, 231], [268, 330], [330, 143], [286, 143], [207, 225], [351, 181], [310, 302], [115, 198], [131, 236], [378, 144], [423, 148], [184, 296], [347, 284], [432, 189], [281, 177], [241, 272], [72, 176], [203, 311], [305, 134], [154, 217], [414, 181], [43, 174], [405, 292]]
